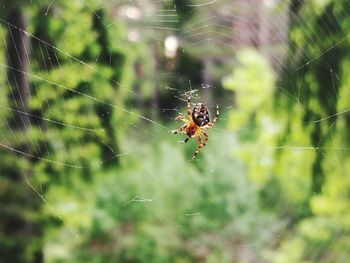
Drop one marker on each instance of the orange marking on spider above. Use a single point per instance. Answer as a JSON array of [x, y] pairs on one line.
[[195, 121]]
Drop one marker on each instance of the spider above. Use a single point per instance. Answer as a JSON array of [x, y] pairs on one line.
[[195, 122]]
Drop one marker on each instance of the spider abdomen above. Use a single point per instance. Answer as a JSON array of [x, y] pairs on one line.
[[200, 114]]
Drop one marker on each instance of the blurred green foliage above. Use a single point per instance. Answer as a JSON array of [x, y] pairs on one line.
[[299, 158], [100, 183]]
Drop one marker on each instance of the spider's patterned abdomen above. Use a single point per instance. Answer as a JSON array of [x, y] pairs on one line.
[[200, 114]]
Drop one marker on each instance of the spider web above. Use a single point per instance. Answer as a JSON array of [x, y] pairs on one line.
[[208, 31]]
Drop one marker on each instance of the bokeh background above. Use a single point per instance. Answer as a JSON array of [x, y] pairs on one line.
[[89, 171]]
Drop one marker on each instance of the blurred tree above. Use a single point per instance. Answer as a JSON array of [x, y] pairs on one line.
[[307, 122], [63, 88], [322, 70], [20, 229]]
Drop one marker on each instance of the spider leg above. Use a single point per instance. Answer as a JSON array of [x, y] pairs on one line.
[[181, 118], [184, 141], [208, 126], [200, 145], [216, 115], [206, 137], [189, 107], [180, 130]]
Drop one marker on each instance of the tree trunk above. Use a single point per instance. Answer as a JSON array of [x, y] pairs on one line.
[[18, 61], [24, 233]]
